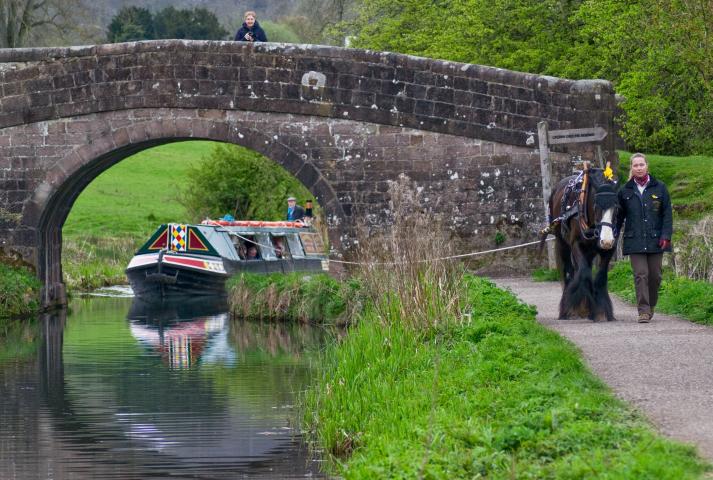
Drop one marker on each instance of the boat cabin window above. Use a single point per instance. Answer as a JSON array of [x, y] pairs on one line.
[[282, 248], [247, 247], [295, 245], [267, 251]]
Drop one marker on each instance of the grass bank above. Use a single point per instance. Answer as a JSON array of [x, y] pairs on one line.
[[489, 395], [314, 298], [19, 292]]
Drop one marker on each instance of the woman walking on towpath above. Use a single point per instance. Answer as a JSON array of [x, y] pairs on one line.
[[646, 208]]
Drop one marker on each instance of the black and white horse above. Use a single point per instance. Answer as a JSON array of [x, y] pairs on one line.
[[585, 209]]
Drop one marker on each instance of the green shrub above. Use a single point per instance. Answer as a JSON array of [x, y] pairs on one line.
[[19, 292], [241, 182]]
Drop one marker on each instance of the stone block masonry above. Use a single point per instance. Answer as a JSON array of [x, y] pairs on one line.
[[344, 122]]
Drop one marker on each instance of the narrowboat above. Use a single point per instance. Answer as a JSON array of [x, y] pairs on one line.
[[185, 259]]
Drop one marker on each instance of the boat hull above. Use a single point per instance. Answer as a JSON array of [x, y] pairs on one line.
[[162, 277]]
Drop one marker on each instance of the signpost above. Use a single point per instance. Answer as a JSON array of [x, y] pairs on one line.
[[576, 135], [548, 137]]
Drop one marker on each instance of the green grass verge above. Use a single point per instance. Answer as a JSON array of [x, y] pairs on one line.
[[19, 292], [313, 298], [498, 396], [691, 299], [689, 181], [544, 274]]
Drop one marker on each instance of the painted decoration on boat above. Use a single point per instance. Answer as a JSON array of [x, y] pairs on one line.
[[178, 237], [183, 239], [161, 240], [194, 242]]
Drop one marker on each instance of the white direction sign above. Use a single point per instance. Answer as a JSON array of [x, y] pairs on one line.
[[576, 135]]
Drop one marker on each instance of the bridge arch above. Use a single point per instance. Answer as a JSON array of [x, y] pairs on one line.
[[52, 201]]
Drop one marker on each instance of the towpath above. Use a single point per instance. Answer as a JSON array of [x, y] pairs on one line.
[[664, 368]]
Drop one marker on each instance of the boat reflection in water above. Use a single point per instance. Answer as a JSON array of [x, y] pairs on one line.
[[183, 332], [177, 391]]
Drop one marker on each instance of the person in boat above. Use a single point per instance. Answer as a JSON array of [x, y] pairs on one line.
[[251, 31], [253, 253], [294, 211], [277, 245]]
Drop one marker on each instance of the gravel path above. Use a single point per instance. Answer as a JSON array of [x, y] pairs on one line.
[[664, 368]]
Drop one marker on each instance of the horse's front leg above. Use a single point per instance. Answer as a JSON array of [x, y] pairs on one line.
[[602, 301], [577, 298]]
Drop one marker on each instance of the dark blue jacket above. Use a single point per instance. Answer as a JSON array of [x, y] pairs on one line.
[[648, 216], [256, 32], [297, 214]]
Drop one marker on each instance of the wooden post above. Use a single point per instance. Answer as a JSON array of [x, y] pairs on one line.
[[546, 171], [600, 155]]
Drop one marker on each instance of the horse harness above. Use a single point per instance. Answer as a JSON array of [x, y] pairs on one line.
[[574, 202]]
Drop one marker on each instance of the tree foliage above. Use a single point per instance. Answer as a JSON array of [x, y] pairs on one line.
[[196, 24], [280, 32], [658, 53], [131, 24], [240, 182], [135, 23], [314, 20]]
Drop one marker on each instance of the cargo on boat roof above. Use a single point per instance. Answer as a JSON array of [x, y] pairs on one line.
[[181, 259]]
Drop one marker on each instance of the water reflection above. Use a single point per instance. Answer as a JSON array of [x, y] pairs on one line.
[[173, 391], [180, 332]]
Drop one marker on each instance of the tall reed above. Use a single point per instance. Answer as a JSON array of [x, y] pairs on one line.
[[402, 270], [693, 254]]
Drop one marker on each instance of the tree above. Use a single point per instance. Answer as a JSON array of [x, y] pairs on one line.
[[195, 24], [131, 24], [30, 22], [241, 182], [315, 20], [525, 35]]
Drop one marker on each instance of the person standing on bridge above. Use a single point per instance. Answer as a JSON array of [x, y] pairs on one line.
[[251, 31], [646, 207]]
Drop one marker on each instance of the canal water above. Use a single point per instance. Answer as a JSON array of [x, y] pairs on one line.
[[117, 389]]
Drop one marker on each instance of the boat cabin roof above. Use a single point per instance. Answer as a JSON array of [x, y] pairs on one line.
[[220, 240]]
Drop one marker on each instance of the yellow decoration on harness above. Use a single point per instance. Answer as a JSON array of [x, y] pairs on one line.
[[608, 173]]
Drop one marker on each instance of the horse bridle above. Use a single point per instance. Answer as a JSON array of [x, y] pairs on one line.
[[604, 190]]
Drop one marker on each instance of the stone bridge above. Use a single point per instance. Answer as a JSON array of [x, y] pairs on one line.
[[344, 122]]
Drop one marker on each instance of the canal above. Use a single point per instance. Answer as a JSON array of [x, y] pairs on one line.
[[117, 389]]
